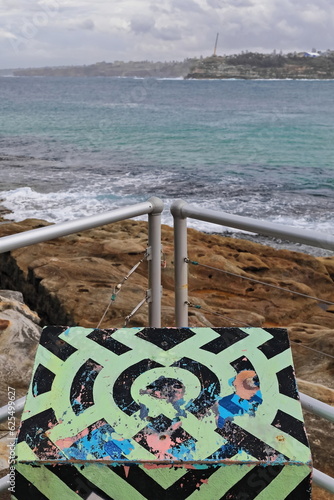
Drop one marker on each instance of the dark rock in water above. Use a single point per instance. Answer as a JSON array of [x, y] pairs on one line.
[[3, 211]]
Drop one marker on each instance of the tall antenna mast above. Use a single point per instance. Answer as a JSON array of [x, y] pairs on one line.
[[214, 52]]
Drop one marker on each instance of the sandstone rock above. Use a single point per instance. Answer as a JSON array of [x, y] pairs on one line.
[[235, 282], [70, 280], [313, 350], [19, 334], [328, 262]]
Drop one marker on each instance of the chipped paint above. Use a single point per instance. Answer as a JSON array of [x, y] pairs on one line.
[[164, 411]]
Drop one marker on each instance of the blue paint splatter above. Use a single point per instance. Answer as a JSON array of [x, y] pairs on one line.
[[99, 444], [232, 405], [183, 451]]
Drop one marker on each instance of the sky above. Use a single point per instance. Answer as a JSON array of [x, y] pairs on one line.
[[35, 33]]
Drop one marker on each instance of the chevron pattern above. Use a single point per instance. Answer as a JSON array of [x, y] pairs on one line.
[[169, 413]]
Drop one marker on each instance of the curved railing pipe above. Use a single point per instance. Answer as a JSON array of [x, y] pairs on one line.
[[181, 210], [153, 207]]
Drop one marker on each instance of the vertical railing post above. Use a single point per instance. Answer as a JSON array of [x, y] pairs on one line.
[[154, 263], [180, 265]]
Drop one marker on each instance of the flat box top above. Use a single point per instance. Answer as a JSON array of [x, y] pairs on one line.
[[163, 395]]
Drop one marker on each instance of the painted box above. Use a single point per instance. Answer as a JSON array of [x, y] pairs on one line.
[[163, 413]]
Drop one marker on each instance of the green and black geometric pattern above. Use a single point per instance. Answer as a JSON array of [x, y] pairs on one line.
[[163, 413]]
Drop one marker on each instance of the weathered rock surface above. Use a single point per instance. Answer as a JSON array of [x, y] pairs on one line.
[[70, 281], [19, 335]]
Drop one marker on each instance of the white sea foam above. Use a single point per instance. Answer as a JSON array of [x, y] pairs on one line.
[[61, 206], [266, 155], [26, 203], [171, 78]]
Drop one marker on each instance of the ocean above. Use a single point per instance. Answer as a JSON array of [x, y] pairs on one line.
[[72, 147]]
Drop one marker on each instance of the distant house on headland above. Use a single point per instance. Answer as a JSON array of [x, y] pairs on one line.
[[311, 54]]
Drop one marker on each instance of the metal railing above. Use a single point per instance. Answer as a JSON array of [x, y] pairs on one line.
[[153, 207], [181, 210]]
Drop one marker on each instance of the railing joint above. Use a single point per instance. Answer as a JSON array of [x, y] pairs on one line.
[[149, 253]]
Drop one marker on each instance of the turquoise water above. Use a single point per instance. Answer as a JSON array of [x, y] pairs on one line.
[[74, 146]]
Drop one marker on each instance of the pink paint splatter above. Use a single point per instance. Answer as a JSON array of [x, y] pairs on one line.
[[244, 384]]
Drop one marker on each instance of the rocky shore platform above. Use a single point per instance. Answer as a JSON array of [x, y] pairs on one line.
[[70, 280]]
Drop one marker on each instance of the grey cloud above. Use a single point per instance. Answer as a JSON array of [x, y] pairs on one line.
[[142, 24], [159, 9], [215, 4], [243, 3], [187, 5], [220, 4], [169, 29], [76, 25], [87, 24], [168, 34], [147, 26]]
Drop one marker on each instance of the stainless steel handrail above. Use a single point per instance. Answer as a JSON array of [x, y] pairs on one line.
[[181, 210], [317, 407], [153, 207], [4, 410]]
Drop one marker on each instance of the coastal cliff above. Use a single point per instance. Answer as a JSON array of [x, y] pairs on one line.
[[252, 66], [70, 281], [247, 66]]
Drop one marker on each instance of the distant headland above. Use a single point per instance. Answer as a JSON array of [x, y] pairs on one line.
[[246, 65], [139, 69], [252, 66]]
